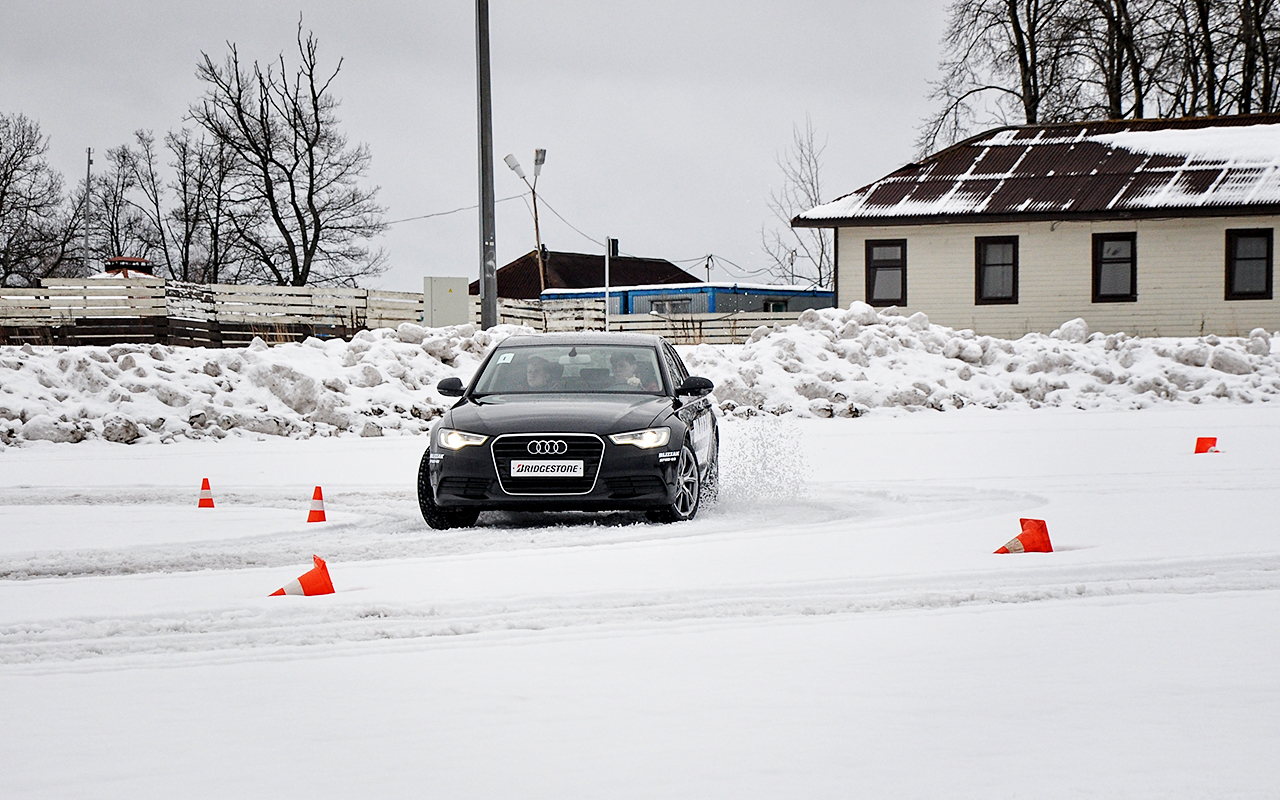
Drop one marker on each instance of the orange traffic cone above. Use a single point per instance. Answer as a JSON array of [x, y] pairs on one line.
[[206, 495], [1207, 444], [317, 507], [314, 582], [1033, 539]]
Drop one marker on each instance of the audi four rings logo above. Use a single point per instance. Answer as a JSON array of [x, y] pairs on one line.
[[548, 447]]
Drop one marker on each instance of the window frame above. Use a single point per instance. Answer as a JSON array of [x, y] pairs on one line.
[[979, 298], [671, 306], [1233, 235], [871, 271], [675, 366], [1098, 240]]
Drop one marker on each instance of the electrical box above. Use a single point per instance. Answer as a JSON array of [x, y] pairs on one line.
[[445, 302]]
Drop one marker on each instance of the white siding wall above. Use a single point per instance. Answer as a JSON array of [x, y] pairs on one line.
[[1181, 271]]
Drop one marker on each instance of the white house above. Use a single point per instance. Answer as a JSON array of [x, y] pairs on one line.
[[1152, 227]]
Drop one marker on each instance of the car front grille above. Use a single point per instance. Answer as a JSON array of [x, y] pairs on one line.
[[584, 447]]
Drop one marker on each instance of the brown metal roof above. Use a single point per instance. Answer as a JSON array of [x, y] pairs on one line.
[[519, 279], [1094, 170]]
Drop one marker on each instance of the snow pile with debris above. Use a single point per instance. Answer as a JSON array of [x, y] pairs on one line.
[[833, 362], [844, 362], [380, 382]]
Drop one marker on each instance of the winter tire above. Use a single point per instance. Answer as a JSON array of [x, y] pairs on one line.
[[688, 491], [711, 484], [437, 517]]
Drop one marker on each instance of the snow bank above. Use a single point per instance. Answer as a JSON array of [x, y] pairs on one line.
[[845, 362], [381, 382], [833, 362]]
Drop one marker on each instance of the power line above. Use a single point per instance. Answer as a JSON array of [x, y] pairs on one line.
[[454, 211], [720, 261], [571, 225]]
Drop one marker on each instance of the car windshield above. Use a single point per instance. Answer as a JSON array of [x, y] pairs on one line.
[[571, 369]]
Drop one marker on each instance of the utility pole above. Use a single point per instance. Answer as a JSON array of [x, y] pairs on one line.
[[610, 251], [88, 175], [488, 236], [539, 158]]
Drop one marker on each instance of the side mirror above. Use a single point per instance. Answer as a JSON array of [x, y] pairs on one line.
[[451, 387], [694, 386]]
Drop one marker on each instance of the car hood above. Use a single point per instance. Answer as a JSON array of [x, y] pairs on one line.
[[591, 413]]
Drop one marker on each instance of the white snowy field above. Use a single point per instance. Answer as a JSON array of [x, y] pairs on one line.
[[837, 627]]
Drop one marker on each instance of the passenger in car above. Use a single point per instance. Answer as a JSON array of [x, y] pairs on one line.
[[542, 375]]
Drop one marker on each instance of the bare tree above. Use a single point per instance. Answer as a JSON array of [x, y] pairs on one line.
[[1040, 61], [299, 208], [1005, 62], [123, 228], [34, 220], [800, 255], [1121, 50]]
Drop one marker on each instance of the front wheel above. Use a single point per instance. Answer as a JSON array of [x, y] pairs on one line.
[[437, 517], [688, 494]]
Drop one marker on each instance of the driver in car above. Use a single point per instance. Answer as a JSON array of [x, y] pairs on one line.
[[624, 374]]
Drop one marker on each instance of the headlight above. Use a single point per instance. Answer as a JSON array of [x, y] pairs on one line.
[[456, 440], [645, 440]]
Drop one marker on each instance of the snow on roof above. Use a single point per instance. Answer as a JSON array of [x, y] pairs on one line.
[[1094, 169]]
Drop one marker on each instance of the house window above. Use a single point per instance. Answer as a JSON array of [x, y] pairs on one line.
[[1115, 267], [775, 306], [887, 272], [996, 262], [1249, 264], [681, 306]]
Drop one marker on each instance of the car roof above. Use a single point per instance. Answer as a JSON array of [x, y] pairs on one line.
[[582, 338]]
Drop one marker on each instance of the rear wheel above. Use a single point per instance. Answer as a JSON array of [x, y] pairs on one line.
[[437, 517], [711, 484], [688, 494]]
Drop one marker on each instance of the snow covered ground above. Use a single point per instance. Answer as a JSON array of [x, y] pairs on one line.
[[837, 627]]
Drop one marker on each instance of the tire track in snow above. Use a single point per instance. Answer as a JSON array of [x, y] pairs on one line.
[[219, 636], [387, 525]]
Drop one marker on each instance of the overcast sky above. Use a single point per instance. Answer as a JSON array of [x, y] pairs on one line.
[[662, 120]]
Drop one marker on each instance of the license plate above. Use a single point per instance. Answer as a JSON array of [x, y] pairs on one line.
[[546, 469]]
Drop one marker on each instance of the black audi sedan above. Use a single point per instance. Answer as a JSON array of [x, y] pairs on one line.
[[573, 421]]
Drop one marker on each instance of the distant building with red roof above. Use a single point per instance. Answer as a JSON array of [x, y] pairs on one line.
[[519, 279]]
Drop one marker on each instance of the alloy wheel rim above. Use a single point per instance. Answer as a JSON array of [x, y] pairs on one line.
[[686, 484]]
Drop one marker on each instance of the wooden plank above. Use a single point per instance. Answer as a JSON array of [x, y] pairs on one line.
[[413, 297], [61, 293], [80, 313], [98, 282], [106, 302], [265, 319], [251, 300], [240, 288], [263, 309]]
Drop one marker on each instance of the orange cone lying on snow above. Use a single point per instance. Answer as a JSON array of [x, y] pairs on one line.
[[314, 582], [1033, 539], [206, 495], [317, 507], [1207, 444]]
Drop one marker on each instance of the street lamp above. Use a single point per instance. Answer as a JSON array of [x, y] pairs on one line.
[[539, 156]]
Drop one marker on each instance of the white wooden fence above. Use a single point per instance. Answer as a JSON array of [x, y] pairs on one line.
[[579, 315], [58, 301], [225, 313]]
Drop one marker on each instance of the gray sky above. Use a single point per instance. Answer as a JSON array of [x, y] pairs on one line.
[[662, 120]]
